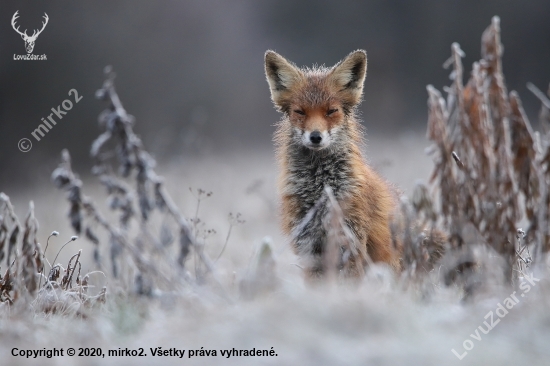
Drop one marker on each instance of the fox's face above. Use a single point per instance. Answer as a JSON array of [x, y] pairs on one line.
[[316, 101]]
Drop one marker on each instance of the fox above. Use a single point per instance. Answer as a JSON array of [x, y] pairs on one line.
[[319, 142]]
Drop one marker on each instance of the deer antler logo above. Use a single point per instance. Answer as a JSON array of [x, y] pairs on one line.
[[29, 40]]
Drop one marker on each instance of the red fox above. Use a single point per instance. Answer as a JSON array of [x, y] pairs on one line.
[[319, 141]]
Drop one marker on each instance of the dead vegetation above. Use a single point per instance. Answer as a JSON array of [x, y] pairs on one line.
[[492, 169], [489, 193], [142, 256], [490, 178], [62, 290]]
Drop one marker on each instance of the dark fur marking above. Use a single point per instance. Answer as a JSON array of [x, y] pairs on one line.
[[355, 70], [274, 71]]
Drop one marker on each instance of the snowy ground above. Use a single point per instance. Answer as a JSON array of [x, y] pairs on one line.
[[375, 323]]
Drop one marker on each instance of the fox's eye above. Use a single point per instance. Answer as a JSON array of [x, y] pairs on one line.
[[331, 111], [300, 112]]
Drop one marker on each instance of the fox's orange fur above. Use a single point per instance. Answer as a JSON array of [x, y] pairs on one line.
[[319, 142]]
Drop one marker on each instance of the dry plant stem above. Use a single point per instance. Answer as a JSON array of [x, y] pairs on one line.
[[338, 221], [332, 256], [307, 218], [488, 161], [226, 241], [10, 235], [539, 94], [55, 233], [458, 161], [184, 226], [64, 245], [142, 160], [195, 233], [31, 254], [67, 279], [196, 218]]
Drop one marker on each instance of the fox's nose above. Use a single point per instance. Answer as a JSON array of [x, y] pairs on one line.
[[315, 137]]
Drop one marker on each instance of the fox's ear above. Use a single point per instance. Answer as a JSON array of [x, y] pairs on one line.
[[281, 76], [349, 75]]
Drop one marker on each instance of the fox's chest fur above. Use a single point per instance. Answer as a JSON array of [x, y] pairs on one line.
[[310, 172], [367, 202], [304, 184]]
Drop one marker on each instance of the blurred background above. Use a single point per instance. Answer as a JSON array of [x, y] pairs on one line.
[[191, 72]]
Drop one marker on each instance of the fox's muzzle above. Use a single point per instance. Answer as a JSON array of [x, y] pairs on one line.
[[316, 140]]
